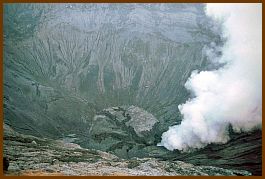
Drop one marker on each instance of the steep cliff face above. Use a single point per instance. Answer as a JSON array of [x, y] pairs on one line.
[[64, 63]]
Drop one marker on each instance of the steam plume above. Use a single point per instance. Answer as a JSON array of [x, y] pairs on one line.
[[227, 96]]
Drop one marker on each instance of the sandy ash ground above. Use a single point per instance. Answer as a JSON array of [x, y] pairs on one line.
[[34, 156]]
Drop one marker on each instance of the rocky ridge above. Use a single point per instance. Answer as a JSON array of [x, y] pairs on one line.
[[30, 155]]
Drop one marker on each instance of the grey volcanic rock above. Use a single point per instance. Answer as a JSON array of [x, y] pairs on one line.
[[51, 157], [119, 129], [140, 120]]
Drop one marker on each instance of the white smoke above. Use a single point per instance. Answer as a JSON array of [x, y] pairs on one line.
[[231, 95]]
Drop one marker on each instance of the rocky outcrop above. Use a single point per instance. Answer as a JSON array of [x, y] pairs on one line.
[[122, 129], [140, 120], [52, 158]]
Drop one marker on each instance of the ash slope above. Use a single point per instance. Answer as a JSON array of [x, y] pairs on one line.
[[64, 63]]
